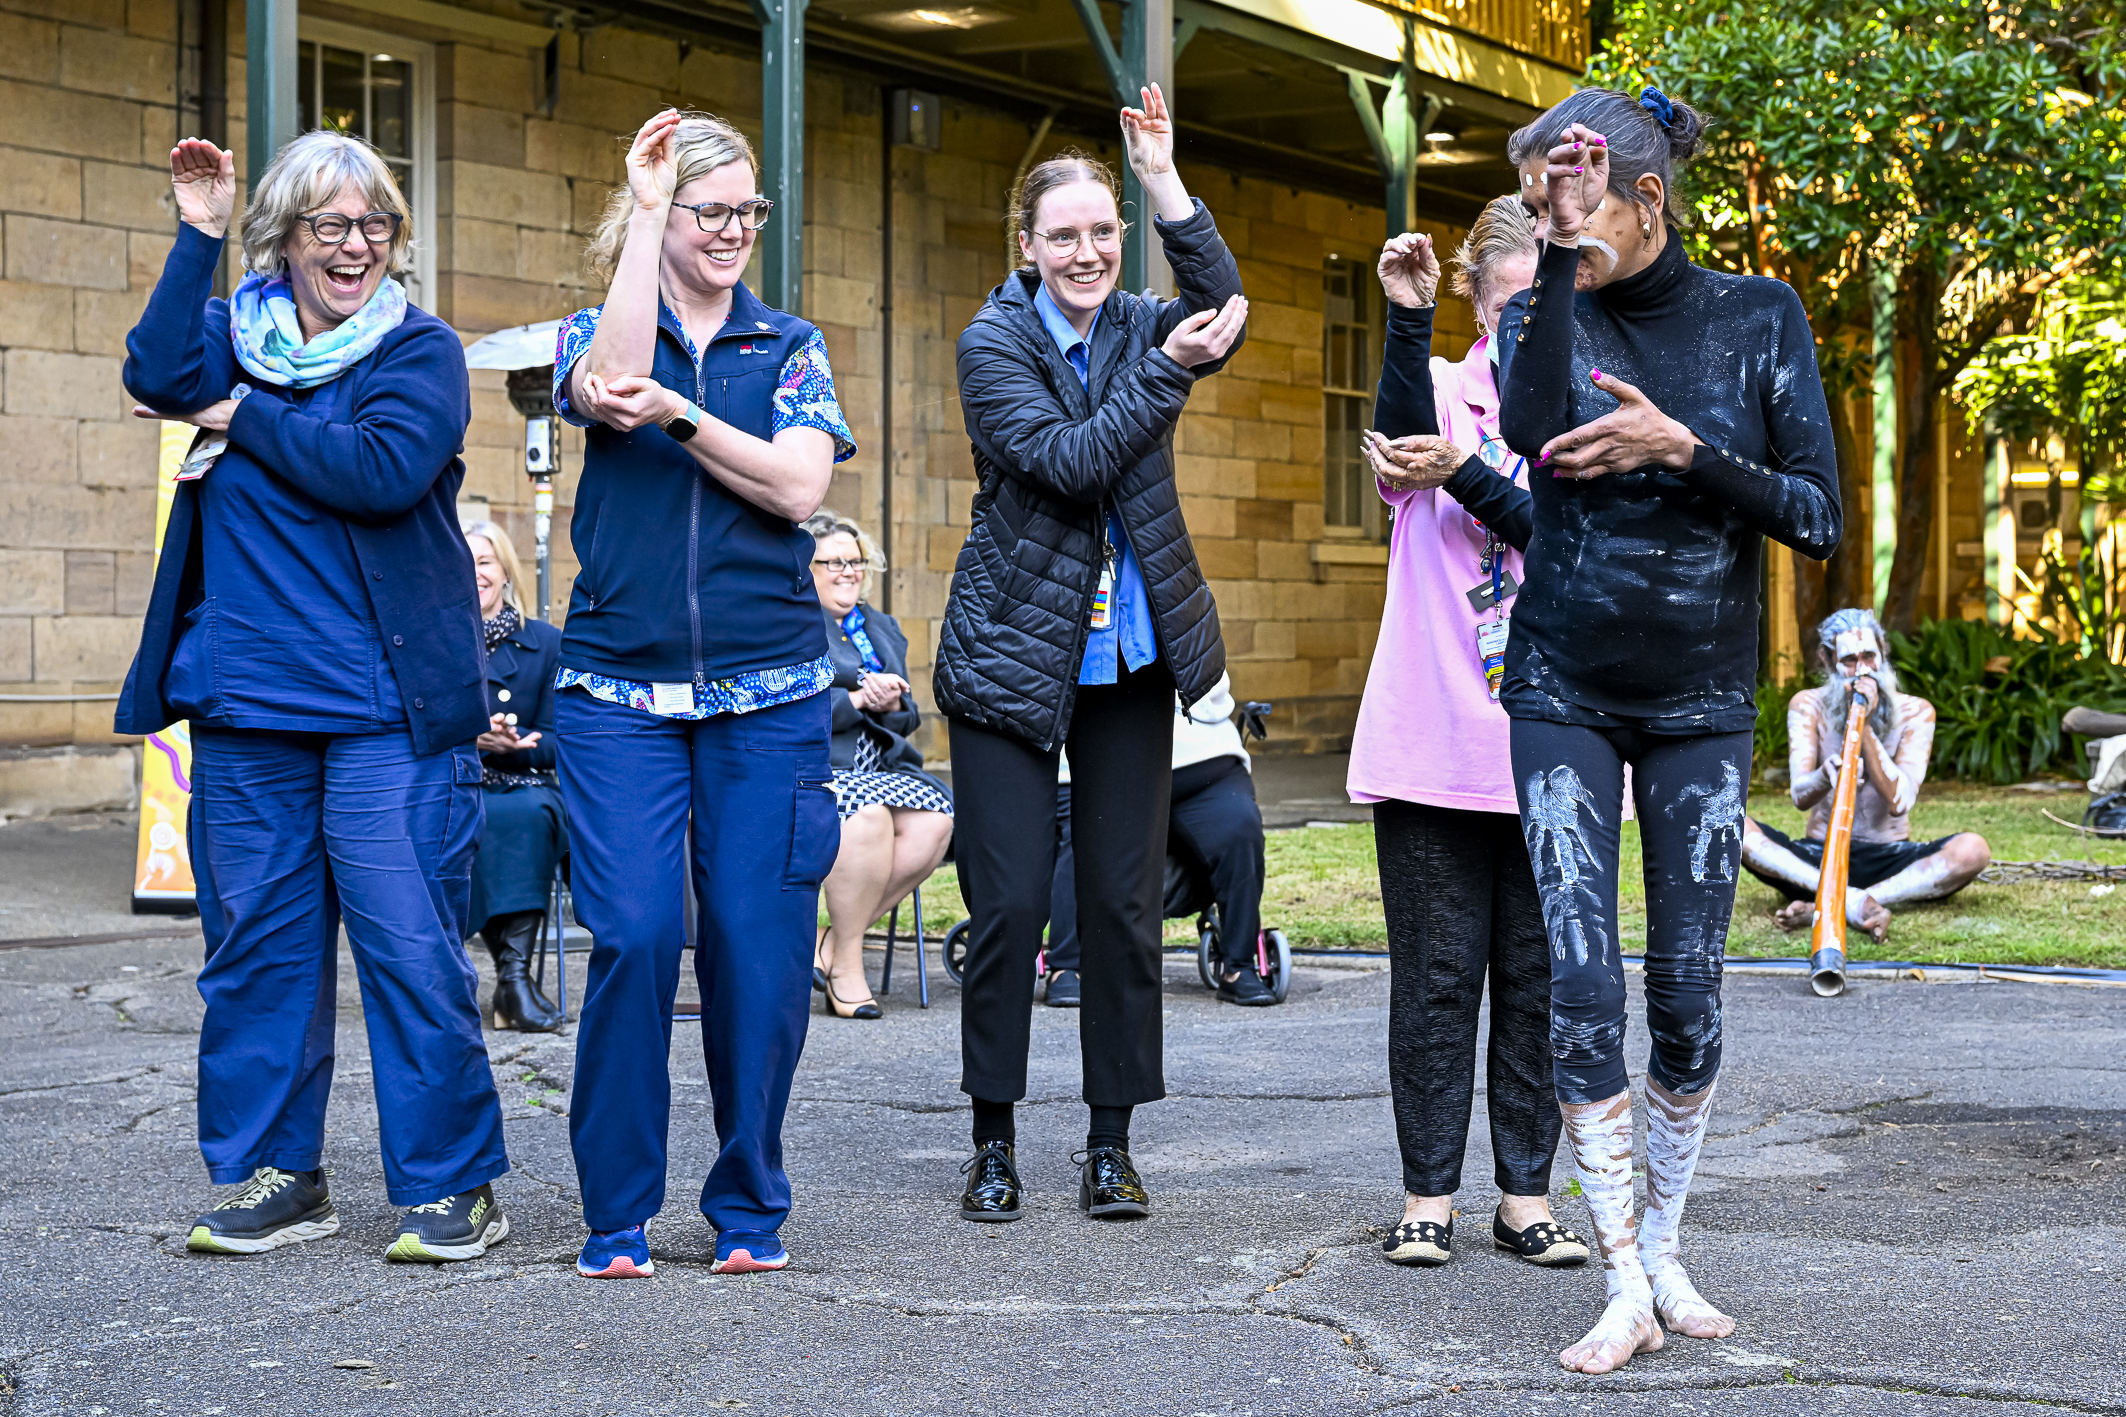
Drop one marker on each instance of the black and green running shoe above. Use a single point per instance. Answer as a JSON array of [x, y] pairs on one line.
[[459, 1227], [272, 1209]]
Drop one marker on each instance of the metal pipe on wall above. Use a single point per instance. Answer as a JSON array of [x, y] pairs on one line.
[[271, 67], [885, 344]]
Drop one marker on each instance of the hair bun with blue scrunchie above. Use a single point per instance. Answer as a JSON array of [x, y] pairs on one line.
[[1657, 103]]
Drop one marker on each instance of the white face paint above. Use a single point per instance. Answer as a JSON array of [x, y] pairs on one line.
[[1600, 245], [1857, 645]]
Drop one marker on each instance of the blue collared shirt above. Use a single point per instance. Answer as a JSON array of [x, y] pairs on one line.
[[1128, 636]]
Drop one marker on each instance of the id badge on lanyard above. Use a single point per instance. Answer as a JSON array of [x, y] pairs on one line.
[[1103, 611], [1491, 634]]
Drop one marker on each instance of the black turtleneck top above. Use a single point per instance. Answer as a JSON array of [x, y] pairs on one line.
[[1640, 602]]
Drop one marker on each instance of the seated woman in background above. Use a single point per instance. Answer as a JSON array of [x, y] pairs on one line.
[[896, 818], [513, 873]]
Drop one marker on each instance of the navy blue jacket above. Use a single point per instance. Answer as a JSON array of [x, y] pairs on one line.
[[682, 579], [386, 480], [520, 680]]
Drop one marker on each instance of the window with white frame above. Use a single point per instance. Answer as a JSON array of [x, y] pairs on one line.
[[380, 88], [1350, 368]]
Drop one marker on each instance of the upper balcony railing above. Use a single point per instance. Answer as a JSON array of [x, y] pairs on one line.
[[1554, 31]]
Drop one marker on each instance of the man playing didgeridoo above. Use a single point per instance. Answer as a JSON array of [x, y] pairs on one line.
[[1673, 418], [1887, 866]]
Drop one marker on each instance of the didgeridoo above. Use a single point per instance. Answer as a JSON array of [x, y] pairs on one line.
[[1827, 940]]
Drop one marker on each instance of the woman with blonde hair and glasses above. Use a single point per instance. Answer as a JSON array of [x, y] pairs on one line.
[[692, 709], [896, 818], [314, 617], [1456, 886]]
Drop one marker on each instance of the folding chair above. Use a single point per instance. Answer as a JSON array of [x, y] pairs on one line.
[[922, 962], [560, 920]]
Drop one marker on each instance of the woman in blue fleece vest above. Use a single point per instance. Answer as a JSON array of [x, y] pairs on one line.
[[692, 713], [314, 617]]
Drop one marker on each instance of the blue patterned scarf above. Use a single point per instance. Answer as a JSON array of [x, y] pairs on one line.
[[269, 337], [853, 626]]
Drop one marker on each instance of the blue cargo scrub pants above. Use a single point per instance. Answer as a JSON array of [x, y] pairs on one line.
[[765, 836], [289, 832]]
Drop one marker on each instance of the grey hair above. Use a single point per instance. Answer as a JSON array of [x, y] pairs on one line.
[[1639, 143], [823, 524], [307, 174], [506, 553], [1504, 229], [700, 144], [1837, 688]]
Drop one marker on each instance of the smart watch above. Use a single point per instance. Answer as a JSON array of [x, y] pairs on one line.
[[687, 423]]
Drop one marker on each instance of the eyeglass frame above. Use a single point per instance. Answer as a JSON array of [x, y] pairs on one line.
[[765, 205], [842, 565], [1121, 232], [354, 224]]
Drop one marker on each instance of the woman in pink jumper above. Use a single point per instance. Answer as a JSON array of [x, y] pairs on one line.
[[1430, 754]]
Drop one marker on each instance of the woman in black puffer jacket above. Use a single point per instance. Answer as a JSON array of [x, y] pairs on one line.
[[1077, 612]]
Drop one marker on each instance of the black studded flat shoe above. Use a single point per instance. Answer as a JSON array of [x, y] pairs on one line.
[[1546, 1243], [1423, 1242], [992, 1192], [1109, 1187]]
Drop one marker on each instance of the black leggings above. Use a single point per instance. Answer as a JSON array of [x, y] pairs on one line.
[[1690, 794], [1459, 900]]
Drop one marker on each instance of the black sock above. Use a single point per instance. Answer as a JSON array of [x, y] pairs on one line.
[[992, 1122], [1110, 1127]]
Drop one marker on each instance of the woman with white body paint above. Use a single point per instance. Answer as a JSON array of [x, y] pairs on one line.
[[1460, 901], [1680, 419]]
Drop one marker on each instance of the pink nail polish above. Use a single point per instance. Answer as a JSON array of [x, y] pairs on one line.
[[1600, 142], [1576, 170], [1596, 373]]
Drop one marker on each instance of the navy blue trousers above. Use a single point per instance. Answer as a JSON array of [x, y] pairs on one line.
[[526, 837], [1690, 794], [289, 832], [765, 834]]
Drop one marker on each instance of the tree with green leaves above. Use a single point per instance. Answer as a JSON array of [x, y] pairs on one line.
[[1975, 152]]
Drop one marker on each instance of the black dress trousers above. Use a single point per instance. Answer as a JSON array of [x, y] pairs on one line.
[[1121, 751]]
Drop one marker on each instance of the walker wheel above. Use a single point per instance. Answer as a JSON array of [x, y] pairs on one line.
[[1280, 959], [955, 951], [1208, 965]]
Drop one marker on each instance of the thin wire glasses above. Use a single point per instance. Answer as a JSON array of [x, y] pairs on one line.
[[713, 217], [333, 228], [1063, 241]]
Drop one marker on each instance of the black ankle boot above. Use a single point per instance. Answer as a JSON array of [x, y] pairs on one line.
[[518, 1004]]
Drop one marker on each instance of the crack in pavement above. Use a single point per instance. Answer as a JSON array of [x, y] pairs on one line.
[[106, 1080], [1885, 1380]]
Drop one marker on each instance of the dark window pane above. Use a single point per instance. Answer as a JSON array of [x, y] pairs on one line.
[[391, 106], [306, 86], [341, 85]]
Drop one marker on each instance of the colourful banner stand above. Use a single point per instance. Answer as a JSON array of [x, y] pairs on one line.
[[162, 861]]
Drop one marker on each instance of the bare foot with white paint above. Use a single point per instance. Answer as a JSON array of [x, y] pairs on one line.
[[1681, 1306], [1796, 915], [1868, 914], [1627, 1329]]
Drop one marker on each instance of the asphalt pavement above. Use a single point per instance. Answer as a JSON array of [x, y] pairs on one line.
[[1911, 1205]]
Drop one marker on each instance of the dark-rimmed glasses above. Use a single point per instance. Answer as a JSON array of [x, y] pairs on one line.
[[841, 565], [1063, 241], [713, 217], [333, 228]]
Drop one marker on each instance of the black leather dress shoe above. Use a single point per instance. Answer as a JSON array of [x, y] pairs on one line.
[[1062, 991], [1109, 1186], [992, 1192], [1246, 989]]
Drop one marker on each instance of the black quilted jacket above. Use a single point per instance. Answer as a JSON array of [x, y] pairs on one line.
[[1052, 456]]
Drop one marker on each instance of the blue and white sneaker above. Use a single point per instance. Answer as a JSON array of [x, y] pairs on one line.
[[616, 1254], [748, 1252]]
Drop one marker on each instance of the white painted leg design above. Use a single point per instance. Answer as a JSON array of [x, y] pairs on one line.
[[1675, 1129], [1600, 1135]]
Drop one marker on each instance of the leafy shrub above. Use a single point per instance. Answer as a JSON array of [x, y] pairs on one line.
[[1998, 700]]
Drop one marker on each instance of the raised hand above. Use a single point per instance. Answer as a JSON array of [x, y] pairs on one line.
[[203, 179], [652, 168], [1148, 135], [1409, 270], [1207, 334], [1577, 180], [1417, 463], [629, 401], [1636, 435]]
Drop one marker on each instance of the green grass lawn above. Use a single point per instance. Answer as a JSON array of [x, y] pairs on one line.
[[1324, 890]]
